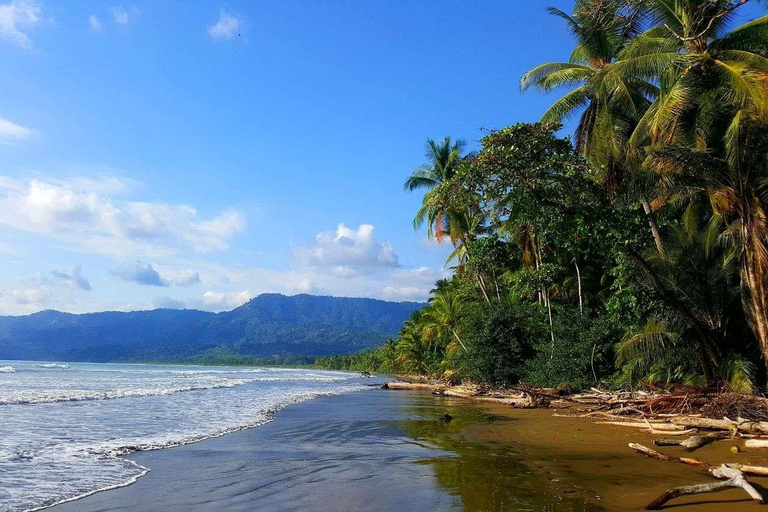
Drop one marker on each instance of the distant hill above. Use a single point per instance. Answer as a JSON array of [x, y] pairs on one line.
[[268, 325]]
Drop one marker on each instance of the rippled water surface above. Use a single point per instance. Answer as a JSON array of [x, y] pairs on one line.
[[63, 425]]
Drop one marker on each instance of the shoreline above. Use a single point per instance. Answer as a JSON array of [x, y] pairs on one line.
[[143, 470], [393, 448]]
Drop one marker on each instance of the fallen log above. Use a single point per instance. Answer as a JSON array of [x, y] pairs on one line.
[[756, 443], [666, 427], [690, 444], [741, 425], [413, 386], [733, 478]]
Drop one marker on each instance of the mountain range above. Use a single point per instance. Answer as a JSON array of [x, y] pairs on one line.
[[268, 326]]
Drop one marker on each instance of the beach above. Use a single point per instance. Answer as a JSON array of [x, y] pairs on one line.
[[395, 450]]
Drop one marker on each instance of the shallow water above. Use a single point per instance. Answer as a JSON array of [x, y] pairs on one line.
[[64, 425]]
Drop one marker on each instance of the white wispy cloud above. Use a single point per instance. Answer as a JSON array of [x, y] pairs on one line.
[[226, 27], [73, 278], [348, 251], [124, 15], [82, 214], [16, 17], [10, 131], [94, 23]]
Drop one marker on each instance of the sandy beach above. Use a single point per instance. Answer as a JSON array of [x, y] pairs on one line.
[[392, 450]]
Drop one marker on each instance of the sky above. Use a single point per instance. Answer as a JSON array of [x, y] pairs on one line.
[[197, 154]]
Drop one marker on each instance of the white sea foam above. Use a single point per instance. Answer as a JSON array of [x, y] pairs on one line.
[[53, 365], [7, 369], [65, 434]]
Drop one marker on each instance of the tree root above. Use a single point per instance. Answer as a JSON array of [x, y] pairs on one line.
[[732, 474]]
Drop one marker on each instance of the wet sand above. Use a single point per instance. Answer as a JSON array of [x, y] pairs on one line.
[[392, 450]]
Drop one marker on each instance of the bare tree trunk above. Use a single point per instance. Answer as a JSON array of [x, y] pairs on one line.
[[654, 228], [551, 327], [482, 288], [578, 278]]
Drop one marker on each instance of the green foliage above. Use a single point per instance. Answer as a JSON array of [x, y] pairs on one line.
[[499, 340], [637, 255], [581, 356]]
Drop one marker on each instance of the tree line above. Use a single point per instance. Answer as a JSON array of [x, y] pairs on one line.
[[634, 251]]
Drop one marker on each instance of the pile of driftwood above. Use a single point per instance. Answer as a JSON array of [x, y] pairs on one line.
[[686, 417], [689, 418]]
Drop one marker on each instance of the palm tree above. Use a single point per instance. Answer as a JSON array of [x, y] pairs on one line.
[[441, 321], [699, 66], [444, 158], [699, 270], [710, 114], [609, 108], [602, 29]]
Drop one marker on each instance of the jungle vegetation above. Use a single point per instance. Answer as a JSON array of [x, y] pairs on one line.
[[632, 252]]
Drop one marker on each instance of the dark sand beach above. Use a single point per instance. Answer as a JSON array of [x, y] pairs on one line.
[[392, 450]]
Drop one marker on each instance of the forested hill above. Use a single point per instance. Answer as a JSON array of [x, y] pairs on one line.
[[269, 325]]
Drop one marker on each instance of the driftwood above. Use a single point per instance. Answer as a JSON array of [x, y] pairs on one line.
[[740, 425], [412, 386], [732, 478], [690, 444], [733, 474], [756, 443]]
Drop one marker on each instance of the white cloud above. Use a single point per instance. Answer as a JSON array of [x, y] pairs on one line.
[[140, 272], [348, 250], [124, 16], [224, 301], [80, 213], [305, 286], [42, 291], [94, 23], [168, 303], [73, 278], [11, 131], [16, 17], [182, 277], [404, 293], [227, 27]]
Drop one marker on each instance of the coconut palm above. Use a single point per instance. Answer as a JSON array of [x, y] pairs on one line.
[[441, 321], [609, 105], [701, 68], [606, 108], [444, 158], [709, 118]]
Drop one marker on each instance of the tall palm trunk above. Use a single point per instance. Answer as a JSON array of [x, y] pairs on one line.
[[654, 227], [754, 272]]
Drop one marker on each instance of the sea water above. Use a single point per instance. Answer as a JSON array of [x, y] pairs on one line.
[[65, 426]]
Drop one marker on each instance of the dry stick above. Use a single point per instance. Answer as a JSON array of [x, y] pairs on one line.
[[734, 473]]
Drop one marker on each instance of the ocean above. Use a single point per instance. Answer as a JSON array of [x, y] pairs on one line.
[[65, 425]]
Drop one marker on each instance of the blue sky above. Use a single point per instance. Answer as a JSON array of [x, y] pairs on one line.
[[195, 154]]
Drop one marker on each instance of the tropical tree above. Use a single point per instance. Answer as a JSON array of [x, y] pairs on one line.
[[444, 158], [709, 116], [441, 321], [609, 108]]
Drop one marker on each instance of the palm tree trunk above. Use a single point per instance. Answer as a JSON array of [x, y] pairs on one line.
[[459, 339], [654, 228], [754, 274]]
